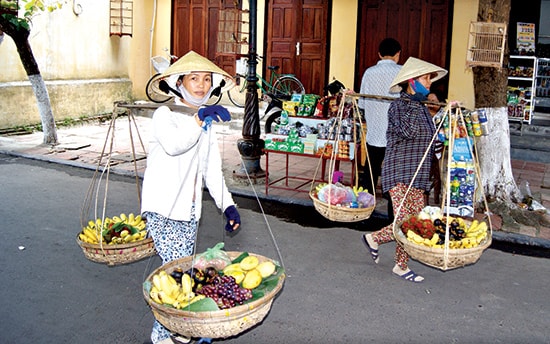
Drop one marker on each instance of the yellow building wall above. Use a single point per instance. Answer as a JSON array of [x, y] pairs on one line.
[[461, 79], [342, 41], [84, 68]]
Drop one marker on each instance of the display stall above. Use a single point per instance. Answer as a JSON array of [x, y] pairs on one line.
[[307, 131]]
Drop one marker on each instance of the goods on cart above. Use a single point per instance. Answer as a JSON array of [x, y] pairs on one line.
[[116, 240], [334, 200], [212, 302]]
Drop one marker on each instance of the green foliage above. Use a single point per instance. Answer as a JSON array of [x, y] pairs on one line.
[[30, 9]]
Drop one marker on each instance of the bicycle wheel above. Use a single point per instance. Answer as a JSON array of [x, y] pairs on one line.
[[237, 94], [154, 93], [288, 85]]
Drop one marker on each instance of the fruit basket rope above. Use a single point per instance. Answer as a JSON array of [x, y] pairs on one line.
[[444, 258], [328, 210], [98, 191], [212, 324]]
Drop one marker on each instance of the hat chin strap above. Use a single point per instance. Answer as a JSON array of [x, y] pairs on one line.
[[194, 101]]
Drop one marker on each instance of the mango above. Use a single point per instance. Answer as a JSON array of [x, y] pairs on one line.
[[249, 263], [266, 268], [252, 279]]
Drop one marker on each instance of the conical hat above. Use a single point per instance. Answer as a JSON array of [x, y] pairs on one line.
[[193, 62], [413, 68]]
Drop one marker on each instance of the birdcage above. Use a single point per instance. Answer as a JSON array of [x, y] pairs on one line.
[[232, 31], [486, 44]]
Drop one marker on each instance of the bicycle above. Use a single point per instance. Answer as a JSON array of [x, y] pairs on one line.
[[279, 85]]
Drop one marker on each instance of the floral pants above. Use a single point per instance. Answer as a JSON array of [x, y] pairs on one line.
[[173, 240], [412, 205]]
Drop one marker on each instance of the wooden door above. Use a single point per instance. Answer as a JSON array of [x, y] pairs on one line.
[[195, 27], [297, 40], [421, 26]]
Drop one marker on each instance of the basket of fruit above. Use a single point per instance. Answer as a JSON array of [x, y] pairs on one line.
[[123, 240], [213, 302], [441, 242], [342, 203]]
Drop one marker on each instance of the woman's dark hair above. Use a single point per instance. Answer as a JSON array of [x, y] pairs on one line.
[[389, 47]]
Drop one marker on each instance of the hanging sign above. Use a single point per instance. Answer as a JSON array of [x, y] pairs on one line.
[[525, 41]]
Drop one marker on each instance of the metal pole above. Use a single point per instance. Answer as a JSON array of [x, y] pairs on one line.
[[250, 145]]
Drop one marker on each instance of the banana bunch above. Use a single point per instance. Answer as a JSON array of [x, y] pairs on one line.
[[320, 186], [166, 290], [417, 239], [476, 233], [116, 230]]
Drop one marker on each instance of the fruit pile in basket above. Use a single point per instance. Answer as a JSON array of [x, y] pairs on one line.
[[343, 196], [121, 229], [245, 279], [428, 229]]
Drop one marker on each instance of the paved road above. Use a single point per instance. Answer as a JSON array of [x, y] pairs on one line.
[[334, 293]]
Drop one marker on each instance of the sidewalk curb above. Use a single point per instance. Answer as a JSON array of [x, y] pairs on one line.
[[509, 237]]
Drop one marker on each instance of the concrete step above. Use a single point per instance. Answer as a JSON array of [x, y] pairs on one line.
[[530, 142]]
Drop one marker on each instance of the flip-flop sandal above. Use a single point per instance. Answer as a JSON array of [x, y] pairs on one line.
[[373, 252], [411, 277]]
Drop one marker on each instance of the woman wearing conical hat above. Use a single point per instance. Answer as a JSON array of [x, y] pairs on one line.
[[410, 131], [183, 154]]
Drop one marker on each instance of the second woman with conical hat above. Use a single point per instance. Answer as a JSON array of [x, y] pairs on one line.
[[409, 134]]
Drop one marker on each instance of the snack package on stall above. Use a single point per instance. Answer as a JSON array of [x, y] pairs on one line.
[[214, 256]]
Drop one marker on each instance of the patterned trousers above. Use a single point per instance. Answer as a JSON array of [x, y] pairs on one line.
[[173, 240], [412, 205]]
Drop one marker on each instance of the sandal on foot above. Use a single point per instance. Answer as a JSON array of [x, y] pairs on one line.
[[373, 252], [411, 276], [179, 339]]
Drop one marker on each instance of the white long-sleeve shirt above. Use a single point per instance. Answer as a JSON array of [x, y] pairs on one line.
[[181, 155]]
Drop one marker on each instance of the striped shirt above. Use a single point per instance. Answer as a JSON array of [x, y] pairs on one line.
[[410, 131], [376, 81]]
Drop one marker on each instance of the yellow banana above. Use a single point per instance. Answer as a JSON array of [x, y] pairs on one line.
[[91, 234], [131, 218], [156, 282], [84, 238], [124, 218], [186, 285], [154, 293], [165, 298], [117, 219], [473, 226], [91, 224], [434, 240]]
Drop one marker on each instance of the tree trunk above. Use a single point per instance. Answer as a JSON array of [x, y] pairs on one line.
[[490, 94], [20, 37], [490, 86], [494, 158]]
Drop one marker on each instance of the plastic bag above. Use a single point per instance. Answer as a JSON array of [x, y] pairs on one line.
[[214, 256], [333, 194]]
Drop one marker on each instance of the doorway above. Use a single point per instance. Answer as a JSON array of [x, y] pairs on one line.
[[297, 36]]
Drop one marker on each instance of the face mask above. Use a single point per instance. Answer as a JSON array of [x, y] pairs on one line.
[[421, 92], [193, 100]]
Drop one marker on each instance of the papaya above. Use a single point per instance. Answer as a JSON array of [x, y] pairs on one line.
[[249, 263], [252, 279]]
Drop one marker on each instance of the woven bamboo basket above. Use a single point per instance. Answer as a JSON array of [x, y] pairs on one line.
[[216, 324], [118, 254], [435, 257], [341, 214]]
